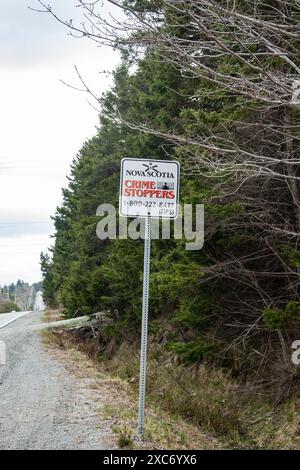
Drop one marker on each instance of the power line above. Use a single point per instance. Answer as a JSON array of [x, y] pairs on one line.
[[33, 166], [26, 223], [22, 244], [20, 253]]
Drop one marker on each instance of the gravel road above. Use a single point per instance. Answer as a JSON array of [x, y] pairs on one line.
[[42, 404]]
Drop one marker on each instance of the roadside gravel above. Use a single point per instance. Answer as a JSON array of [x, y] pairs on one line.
[[42, 404]]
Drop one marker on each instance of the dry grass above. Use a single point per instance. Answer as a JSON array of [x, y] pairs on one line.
[[282, 431], [51, 315], [118, 405], [187, 408]]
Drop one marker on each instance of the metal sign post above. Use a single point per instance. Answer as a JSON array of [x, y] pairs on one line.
[[144, 330], [148, 189]]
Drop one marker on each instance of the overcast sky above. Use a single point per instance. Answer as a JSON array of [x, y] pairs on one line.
[[43, 124]]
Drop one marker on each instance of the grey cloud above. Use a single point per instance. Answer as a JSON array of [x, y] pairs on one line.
[[27, 37], [14, 224]]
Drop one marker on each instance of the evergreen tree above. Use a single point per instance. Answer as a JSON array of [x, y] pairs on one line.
[[213, 88]]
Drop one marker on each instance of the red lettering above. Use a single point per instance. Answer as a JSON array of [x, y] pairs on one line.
[[138, 192]]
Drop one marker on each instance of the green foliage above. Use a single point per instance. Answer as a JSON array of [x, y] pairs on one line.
[[244, 262], [49, 287], [8, 306], [86, 274], [194, 311], [278, 319], [292, 254], [193, 351]]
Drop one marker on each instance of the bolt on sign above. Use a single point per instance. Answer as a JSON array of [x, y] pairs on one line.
[[149, 188]]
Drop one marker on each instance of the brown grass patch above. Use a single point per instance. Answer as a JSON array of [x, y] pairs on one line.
[[187, 407], [51, 315], [118, 404]]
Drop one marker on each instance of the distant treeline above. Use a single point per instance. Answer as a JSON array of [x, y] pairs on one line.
[[19, 295]]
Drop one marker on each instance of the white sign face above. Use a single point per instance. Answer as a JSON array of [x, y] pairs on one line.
[[149, 188]]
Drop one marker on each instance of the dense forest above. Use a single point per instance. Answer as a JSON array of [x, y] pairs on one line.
[[212, 84]]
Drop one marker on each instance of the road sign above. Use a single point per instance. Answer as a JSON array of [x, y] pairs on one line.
[[149, 188]]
